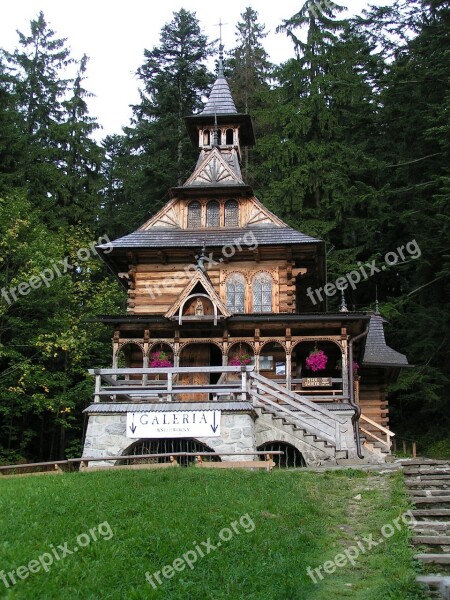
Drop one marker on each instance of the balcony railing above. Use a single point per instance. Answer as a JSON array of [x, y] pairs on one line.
[[165, 384], [170, 384]]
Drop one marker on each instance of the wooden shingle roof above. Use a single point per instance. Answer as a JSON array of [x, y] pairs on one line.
[[377, 352], [220, 100], [173, 237]]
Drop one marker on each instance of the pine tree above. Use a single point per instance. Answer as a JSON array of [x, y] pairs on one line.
[[174, 77], [59, 163], [319, 170], [40, 90], [248, 64], [81, 157], [248, 71], [415, 150]]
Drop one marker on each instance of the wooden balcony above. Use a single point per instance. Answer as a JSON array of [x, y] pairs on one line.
[[170, 384]]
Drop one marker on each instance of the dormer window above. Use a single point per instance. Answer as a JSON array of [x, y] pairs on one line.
[[194, 215], [213, 214], [231, 214]]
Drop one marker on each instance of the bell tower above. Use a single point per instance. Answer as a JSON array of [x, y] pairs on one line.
[[220, 127]]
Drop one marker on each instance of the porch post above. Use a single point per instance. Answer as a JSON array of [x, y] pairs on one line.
[[345, 367], [288, 370]]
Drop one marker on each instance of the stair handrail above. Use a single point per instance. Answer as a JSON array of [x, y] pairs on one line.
[[309, 427], [296, 400], [389, 434]]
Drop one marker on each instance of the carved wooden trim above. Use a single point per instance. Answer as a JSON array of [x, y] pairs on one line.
[[236, 343], [269, 341], [315, 339]]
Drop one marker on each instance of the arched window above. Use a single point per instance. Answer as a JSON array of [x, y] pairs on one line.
[[219, 137], [229, 137], [262, 293], [235, 292], [213, 214], [231, 214], [194, 215], [206, 137]]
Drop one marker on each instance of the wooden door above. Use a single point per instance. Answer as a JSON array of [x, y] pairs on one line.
[[195, 355]]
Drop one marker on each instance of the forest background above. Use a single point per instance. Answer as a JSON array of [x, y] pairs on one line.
[[353, 147]]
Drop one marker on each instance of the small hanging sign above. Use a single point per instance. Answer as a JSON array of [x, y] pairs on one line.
[[311, 382]]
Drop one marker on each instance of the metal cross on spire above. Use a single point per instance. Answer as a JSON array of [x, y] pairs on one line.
[[220, 25]]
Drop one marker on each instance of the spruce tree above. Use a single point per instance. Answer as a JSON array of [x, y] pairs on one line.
[[248, 70], [174, 77]]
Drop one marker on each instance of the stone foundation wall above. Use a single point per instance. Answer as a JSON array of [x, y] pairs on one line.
[[106, 436], [240, 431]]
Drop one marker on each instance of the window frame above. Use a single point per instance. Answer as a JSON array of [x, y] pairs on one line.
[[208, 206], [243, 282], [189, 213], [269, 279]]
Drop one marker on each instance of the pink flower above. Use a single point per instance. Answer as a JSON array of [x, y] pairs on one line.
[[160, 360], [240, 359], [317, 360]]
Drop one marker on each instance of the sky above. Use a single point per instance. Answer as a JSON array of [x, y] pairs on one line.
[[115, 33]]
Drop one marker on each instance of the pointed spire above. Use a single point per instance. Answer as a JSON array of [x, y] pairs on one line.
[[343, 307], [377, 304], [220, 70], [220, 101]]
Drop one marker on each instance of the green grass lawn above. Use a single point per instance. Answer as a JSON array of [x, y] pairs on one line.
[[271, 528]]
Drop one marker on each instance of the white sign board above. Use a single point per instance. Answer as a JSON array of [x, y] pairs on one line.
[[174, 424]]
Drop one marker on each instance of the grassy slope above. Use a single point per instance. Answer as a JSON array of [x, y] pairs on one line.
[[301, 519]]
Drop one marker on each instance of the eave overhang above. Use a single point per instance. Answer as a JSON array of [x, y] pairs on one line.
[[214, 189]]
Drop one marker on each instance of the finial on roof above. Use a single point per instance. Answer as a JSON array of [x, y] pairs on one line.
[[201, 258], [220, 71], [343, 307], [377, 304]]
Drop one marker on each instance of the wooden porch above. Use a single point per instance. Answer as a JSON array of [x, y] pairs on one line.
[[308, 410], [167, 384]]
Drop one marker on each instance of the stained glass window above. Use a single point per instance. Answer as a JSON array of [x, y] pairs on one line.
[[194, 215], [213, 214], [262, 293], [231, 214], [235, 292]]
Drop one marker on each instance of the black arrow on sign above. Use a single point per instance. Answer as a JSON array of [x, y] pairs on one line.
[[133, 427], [214, 427]]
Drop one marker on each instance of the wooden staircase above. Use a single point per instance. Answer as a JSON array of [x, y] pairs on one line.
[[428, 484], [376, 438], [314, 424]]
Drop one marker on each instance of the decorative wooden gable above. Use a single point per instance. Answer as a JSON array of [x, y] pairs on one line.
[[214, 170], [258, 214], [198, 302], [168, 216]]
